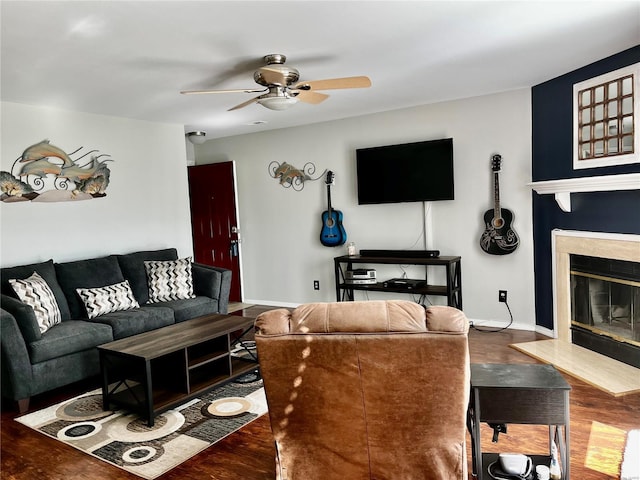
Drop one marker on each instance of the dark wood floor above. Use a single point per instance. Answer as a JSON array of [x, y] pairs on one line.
[[249, 454]]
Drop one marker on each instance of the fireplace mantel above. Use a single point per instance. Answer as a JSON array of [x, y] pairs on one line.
[[562, 189]]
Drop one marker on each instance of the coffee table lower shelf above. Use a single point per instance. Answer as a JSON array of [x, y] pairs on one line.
[[133, 396], [158, 370]]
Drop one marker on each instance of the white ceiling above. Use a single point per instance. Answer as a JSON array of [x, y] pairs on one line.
[[130, 59]]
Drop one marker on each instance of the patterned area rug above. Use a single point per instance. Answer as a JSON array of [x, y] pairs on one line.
[[126, 441]]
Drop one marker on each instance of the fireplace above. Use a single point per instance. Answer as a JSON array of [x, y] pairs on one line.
[[597, 292], [605, 306]]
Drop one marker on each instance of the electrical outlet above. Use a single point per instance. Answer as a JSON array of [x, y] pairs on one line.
[[316, 284], [502, 296]]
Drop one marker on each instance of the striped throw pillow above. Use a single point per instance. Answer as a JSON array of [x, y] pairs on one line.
[[35, 292], [169, 280], [103, 300]]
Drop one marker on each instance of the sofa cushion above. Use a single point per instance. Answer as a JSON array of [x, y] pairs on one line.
[[69, 337], [35, 292], [187, 309], [95, 272], [169, 280], [132, 322], [47, 271], [64, 370], [112, 298], [132, 266]]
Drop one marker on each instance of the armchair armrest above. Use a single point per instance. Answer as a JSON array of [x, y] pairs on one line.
[[212, 282], [16, 366], [24, 316]]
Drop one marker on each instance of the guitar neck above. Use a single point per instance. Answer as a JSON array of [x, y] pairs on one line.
[[329, 198], [496, 195]]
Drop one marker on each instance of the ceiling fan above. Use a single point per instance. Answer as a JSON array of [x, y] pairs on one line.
[[282, 89]]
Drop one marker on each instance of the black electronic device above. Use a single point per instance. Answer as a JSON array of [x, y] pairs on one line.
[[401, 253], [409, 172], [407, 283]]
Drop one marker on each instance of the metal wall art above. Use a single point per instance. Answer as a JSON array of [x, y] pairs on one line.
[[46, 173], [291, 176]]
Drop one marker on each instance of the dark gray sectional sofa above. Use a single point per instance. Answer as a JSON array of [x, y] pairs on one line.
[[34, 362]]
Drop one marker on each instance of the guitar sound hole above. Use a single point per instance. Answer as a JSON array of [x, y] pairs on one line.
[[498, 223], [330, 222]]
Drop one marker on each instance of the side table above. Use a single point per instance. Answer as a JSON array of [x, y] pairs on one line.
[[523, 394]]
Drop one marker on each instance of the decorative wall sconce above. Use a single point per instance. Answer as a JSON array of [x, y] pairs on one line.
[[291, 176], [197, 138]]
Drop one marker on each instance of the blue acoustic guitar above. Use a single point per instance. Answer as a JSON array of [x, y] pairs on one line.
[[332, 234]]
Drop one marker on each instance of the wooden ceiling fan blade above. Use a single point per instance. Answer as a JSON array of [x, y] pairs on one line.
[[244, 104], [335, 83], [273, 75], [314, 98], [238, 90]]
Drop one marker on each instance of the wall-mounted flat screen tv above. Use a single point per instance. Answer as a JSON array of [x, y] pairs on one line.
[[409, 172]]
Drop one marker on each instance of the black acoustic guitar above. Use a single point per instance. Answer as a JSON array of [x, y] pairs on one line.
[[332, 233], [498, 237]]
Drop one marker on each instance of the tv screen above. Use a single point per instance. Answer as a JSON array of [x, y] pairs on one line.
[[410, 172]]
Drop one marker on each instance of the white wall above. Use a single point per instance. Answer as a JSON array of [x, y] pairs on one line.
[[281, 251], [147, 202]]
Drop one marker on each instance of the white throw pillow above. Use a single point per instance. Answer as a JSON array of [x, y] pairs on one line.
[[169, 280], [103, 300], [35, 292]]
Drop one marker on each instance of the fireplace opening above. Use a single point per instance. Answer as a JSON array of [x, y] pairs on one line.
[[605, 306]]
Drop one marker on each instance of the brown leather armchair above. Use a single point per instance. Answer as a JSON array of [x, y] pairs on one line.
[[366, 390]]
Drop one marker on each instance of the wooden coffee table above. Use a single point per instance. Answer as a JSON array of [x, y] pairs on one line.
[[154, 371]]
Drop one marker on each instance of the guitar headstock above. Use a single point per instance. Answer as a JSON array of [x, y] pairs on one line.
[[496, 160], [330, 179]]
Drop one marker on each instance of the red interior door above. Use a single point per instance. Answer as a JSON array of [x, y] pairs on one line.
[[214, 219]]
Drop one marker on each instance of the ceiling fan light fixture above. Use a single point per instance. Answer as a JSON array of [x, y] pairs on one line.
[[278, 103], [197, 138], [283, 90]]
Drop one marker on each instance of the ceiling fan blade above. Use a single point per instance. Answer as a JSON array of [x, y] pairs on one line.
[[310, 97], [273, 75], [240, 90], [335, 83], [244, 104]]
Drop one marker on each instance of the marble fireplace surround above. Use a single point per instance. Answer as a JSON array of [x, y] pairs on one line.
[[607, 374], [593, 244]]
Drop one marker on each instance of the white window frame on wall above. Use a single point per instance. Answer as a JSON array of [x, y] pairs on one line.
[[622, 158]]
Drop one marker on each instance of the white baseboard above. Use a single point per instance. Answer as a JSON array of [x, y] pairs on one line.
[[501, 324], [270, 303], [545, 331]]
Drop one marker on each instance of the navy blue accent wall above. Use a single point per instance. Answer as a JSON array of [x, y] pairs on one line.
[[552, 159]]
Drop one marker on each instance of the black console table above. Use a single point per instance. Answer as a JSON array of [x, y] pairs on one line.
[[452, 289]]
